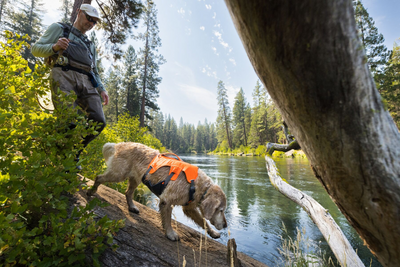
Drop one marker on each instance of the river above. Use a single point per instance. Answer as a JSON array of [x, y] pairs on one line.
[[256, 211]]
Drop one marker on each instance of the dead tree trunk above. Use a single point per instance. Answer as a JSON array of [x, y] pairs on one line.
[[333, 235], [309, 57], [291, 143]]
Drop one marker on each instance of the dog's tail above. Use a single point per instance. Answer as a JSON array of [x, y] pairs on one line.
[[108, 150]]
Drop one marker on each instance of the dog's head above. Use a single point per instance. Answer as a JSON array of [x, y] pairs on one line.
[[213, 207]]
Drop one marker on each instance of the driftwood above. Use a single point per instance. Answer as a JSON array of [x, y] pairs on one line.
[[291, 142], [232, 254], [337, 241], [142, 241]]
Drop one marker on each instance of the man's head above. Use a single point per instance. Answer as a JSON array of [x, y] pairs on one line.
[[87, 17]]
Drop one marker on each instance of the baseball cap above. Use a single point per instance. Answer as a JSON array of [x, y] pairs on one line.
[[90, 10]]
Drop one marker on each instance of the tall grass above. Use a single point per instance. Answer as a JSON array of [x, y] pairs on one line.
[[297, 252]]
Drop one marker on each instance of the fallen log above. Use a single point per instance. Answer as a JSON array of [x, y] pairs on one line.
[[332, 233], [291, 142], [142, 241]]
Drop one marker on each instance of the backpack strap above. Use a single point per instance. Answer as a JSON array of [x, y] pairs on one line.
[[68, 28]]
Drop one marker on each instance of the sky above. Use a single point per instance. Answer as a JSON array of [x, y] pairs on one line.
[[201, 48]]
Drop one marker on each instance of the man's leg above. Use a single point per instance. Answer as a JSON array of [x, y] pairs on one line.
[[90, 101]]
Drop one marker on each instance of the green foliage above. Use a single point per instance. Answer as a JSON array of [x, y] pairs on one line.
[[372, 40], [149, 62], [132, 105], [26, 21], [389, 85], [224, 119], [127, 129], [241, 128], [122, 16], [38, 174]]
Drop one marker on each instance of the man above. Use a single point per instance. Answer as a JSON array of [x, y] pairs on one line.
[[72, 58]]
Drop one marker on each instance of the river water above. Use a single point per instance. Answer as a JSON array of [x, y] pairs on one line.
[[256, 211]]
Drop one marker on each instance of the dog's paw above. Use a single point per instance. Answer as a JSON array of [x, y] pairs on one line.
[[214, 234], [134, 210], [172, 235]]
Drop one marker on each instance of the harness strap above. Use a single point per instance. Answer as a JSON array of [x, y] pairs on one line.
[[192, 190], [89, 74], [69, 67], [146, 173]]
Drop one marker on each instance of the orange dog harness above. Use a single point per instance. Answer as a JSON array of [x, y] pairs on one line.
[[176, 167]]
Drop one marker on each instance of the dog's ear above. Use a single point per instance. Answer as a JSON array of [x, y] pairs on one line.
[[209, 206]]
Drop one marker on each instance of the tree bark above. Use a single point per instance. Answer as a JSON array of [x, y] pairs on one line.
[[332, 233], [142, 241], [77, 4], [310, 59]]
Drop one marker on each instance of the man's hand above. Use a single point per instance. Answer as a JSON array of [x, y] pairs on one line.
[[104, 95], [62, 44]]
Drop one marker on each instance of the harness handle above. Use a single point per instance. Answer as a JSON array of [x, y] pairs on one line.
[[169, 153]]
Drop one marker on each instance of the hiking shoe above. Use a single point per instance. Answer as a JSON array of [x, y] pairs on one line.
[[78, 166]]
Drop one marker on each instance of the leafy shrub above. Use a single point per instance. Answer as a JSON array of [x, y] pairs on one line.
[[261, 150], [38, 174]]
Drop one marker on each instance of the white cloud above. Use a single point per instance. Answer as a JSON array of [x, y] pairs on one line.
[[181, 11], [208, 6], [202, 28], [221, 41], [188, 31], [215, 50], [233, 61], [209, 72], [215, 15], [195, 93]]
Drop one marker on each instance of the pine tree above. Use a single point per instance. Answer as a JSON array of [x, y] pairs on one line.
[[3, 10], [130, 83], [199, 137], [96, 43], [255, 138], [113, 86], [66, 9], [274, 131], [240, 132], [149, 62], [157, 125], [224, 118], [389, 85], [118, 19], [371, 39], [27, 21]]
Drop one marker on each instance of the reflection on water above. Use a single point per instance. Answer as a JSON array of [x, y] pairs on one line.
[[256, 210]]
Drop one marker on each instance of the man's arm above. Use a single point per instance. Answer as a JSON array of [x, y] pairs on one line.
[[44, 46]]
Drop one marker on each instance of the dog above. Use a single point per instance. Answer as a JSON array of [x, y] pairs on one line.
[[130, 160]]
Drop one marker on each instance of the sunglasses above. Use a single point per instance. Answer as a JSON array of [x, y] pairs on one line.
[[89, 18]]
